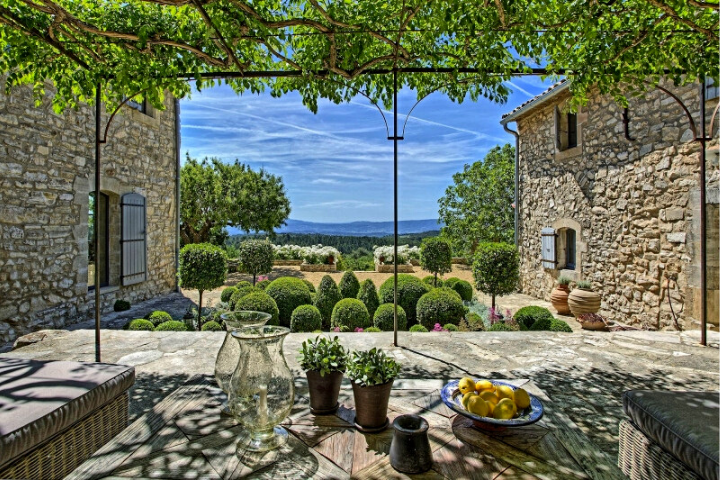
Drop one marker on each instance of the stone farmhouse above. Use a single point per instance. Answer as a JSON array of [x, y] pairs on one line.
[[618, 206], [47, 191]]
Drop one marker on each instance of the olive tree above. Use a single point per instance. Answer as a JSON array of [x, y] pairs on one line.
[[256, 257], [436, 256], [496, 269], [202, 266]]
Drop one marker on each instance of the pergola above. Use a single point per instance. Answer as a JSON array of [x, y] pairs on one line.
[[110, 51]]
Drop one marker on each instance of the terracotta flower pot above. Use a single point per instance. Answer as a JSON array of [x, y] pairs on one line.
[[324, 391], [559, 299], [583, 301], [371, 404], [330, 260]]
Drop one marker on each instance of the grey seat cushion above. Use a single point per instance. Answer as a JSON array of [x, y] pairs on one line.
[[41, 399], [685, 424]]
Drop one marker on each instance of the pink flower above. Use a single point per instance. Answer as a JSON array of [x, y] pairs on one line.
[[438, 328], [262, 278], [336, 329], [358, 329]]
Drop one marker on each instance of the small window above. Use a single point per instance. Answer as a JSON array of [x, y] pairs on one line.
[[566, 130], [572, 130], [711, 89], [570, 250], [140, 106], [99, 260]]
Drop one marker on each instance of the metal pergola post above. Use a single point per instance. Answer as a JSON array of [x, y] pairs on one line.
[[96, 218]]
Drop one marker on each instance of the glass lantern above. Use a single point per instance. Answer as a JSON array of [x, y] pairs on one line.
[[262, 390], [229, 354]]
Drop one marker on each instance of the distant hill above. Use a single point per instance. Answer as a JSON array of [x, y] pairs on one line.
[[360, 229]]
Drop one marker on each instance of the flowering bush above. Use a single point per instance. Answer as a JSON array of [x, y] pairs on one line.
[[288, 252], [405, 253], [439, 328], [317, 254]]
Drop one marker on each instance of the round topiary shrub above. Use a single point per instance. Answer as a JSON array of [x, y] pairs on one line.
[[305, 318], [473, 322], [158, 316], [211, 327], [501, 327], [259, 302], [384, 318], [328, 294], [410, 289], [256, 257], [263, 285], [372, 330], [430, 281], [528, 316], [436, 256], [349, 285], [368, 295], [242, 284], [310, 285], [227, 293], [557, 325], [440, 305], [465, 289], [541, 324], [418, 328], [201, 267], [172, 326], [140, 324], [288, 293], [350, 312], [240, 293], [450, 327], [496, 269], [121, 305]]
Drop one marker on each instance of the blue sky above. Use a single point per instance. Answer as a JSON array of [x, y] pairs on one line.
[[337, 164]]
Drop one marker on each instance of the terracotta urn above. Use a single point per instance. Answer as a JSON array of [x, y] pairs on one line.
[[559, 299], [582, 301]]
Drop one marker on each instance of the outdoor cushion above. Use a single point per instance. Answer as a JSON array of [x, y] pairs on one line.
[[41, 399], [685, 424]]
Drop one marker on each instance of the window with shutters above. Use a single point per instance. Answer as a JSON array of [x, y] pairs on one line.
[[566, 130], [568, 248], [134, 239], [549, 248]]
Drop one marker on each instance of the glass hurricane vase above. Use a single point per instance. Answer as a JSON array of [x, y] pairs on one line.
[[228, 356], [262, 389]]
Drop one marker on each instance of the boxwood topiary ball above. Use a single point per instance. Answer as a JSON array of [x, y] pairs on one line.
[[501, 327], [158, 316], [463, 288], [227, 293], [384, 318], [350, 312], [305, 318], [140, 324], [240, 293], [531, 314], [440, 305], [418, 328], [263, 285], [410, 289], [172, 326], [288, 293], [309, 284], [557, 325], [211, 327], [121, 305], [259, 302]]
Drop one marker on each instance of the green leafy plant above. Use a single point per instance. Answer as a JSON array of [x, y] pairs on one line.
[[372, 330], [436, 256], [240, 293], [410, 289], [384, 318], [368, 295], [328, 294], [121, 305], [172, 326], [557, 325], [350, 312], [259, 302], [211, 326], [139, 324], [305, 318], [530, 315], [584, 285], [158, 316], [371, 367], [288, 293], [227, 293], [472, 323], [463, 288], [440, 305], [202, 267], [418, 328], [323, 355], [496, 269], [256, 257], [563, 280], [349, 285], [450, 327]]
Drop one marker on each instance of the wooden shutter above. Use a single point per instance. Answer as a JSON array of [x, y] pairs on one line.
[[549, 250], [134, 239], [558, 130]]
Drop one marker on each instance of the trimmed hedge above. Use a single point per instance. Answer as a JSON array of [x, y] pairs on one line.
[[557, 325], [310, 285], [121, 305], [349, 285], [465, 289], [350, 312], [328, 294], [440, 305], [541, 324], [227, 293], [260, 302], [384, 318], [418, 328], [211, 326], [305, 318], [140, 324], [368, 295], [172, 326], [450, 327], [372, 330], [288, 293], [158, 316], [528, 316], [240, 293], [410, 289]]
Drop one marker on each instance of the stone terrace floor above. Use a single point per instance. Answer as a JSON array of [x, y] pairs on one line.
[[583, 373]]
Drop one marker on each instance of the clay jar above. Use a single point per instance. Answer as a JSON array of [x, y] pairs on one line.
[[324, 391], [583, 301], [410, 449], [559, 299]]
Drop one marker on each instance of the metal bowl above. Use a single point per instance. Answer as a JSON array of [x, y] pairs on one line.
[[452, 397]]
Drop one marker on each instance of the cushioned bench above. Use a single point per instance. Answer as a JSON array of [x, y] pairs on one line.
[[670, 435], [54, 415]]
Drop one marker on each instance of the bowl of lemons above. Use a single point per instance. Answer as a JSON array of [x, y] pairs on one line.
[[492, 402]]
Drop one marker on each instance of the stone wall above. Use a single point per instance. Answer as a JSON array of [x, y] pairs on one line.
[[634, 205], [46, 175]]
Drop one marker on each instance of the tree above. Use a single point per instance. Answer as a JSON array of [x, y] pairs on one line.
[[436, 256], [215, 195], [328, 294], [478, 207], [256, 257], [202, 267], [349, 285], [496, 269]]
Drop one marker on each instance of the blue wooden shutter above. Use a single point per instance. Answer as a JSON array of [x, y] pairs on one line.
[[134, 239], [549, 256]]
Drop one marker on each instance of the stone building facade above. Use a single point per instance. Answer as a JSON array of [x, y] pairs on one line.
[[624, 213], [46, 182]]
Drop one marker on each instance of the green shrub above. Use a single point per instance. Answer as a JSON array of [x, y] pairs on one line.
[[528, 316], [140, 324], [501, 327], [436, 256], [465, 289], [260, 302], [410, 289], [240, 293], [121, 305], [323, 355], [584, 285], [557, 325], [288, 293], [429, 280], [368, 295], [328, 294], [372, 367], [440, 305], [256, 257], [349, 285], [543, 323], [351, 313], [472, 323], [172, 326], [450, 327], [563, 280], [227, 293], [158, 316], [384, 318], [202, 267], [211, 326], [372, 330], [243, 284], [263, 285], [496, 269], [310, 285], [305, 318], [418, 328]]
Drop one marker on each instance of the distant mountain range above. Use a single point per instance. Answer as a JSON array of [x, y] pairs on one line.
[[356, 229]]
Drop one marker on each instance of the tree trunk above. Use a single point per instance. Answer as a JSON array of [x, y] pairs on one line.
[[199, 319], [435, 280], [253, 279], [493, 301]]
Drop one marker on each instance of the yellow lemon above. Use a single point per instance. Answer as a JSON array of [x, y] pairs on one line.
[[491, 409], [504, 410], [490, 397], [466, 398], [522, 399], [483, 385], [478, 406], [466, 385], [504, 391]]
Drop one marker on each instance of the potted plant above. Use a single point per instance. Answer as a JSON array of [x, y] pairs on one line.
[[559, 296], [324, 362], [372, 373], [583, 300]]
